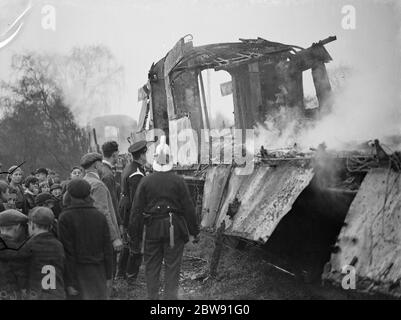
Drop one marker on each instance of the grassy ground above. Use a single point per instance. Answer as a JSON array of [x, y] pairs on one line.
[[241, 275]]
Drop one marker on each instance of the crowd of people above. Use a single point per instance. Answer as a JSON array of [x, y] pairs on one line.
[[71, 239]]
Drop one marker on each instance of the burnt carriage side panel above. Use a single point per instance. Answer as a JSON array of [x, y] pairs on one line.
[[158, 96]]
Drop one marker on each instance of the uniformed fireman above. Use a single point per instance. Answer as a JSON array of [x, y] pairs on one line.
[[131, 258], [164, 207]]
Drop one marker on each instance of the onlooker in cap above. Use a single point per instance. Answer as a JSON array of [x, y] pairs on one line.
[[106, 173], [56, 190], [46, 200], [92, 162], [12, 199], [46, 255], [15, 177], [13, 273], [52, 177], [75, 173], [4, 195], [12, 225], [85, 234], [41, 174], [57, 194], [31, 191]]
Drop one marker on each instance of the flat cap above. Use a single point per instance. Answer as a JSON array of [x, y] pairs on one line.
[[12, 217], [88, 159], [79, 188], [137, 146], [41, 215], [56, 186], [43, 198]]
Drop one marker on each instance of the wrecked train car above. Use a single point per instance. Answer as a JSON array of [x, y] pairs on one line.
[[262, 71], [308, 212]]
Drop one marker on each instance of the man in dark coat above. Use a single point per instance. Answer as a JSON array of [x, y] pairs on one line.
[[85, 234], [164, 205], [13, 271], [131, 257], [46, 257], [110, 157]]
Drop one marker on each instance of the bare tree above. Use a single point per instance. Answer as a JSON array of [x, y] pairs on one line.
[[37, 126]]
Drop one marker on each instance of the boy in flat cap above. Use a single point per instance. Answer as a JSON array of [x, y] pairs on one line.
[[13, 273], [56, 190], [15, 178], [85, 234], [41, 174], [131, 258], [32, 190], [92, 163], [57, 193], [46, 257], [48, 201]]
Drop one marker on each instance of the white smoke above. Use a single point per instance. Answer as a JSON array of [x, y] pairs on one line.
[[367, 108]]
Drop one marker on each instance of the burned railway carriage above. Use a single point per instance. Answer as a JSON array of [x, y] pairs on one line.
[[314, 214], [174, 96]]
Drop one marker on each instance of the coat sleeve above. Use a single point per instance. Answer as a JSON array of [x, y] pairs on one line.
[[133, 184], [65, 234], [108, 251], [100, 196], [188, 209], [138, 207]]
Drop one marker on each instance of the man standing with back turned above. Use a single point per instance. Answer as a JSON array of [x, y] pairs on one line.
[[163, 205], [92, 163], [131, 257]]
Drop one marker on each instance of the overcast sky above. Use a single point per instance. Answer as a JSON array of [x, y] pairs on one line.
[[140, 32]]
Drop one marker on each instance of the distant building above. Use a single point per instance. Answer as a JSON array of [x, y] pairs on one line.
[[113, 127]]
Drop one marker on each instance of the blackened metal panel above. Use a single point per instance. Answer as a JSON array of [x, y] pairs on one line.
[[370, 240], [216, 179], [266, 196]]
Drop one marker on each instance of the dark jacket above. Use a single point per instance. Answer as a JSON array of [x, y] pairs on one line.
[[46, 263], [157, 195], [20, 201], [29, 202], [131, 176], [85, 234], [13, 269]]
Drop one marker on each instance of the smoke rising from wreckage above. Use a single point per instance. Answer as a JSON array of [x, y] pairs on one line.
[[301, 205]]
